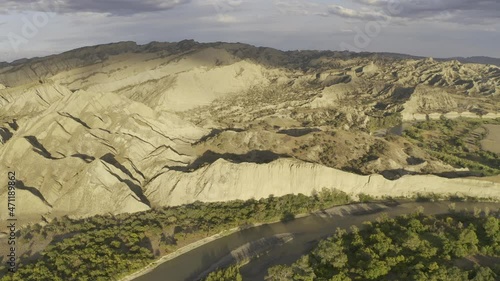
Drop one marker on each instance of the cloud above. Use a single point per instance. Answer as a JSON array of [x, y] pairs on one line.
[[227, 19], [353, 14], [459, 11], [296, 7], [221, 18], [111, 7], [223, 8]]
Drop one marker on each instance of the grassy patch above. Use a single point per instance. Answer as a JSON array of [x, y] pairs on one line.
[[456, 142]]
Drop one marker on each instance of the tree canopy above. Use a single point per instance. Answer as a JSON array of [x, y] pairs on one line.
[[412, 247]]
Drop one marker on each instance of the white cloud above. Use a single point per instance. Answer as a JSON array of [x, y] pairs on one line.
[[112, 7], [458, 11], [354, 14]]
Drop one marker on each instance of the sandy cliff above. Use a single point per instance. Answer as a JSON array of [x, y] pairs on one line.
[[229, 181]]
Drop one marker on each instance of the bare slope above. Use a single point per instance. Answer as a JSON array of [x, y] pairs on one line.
[[124, 127]]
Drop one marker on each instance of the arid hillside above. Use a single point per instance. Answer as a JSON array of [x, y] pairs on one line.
[[124, 127]]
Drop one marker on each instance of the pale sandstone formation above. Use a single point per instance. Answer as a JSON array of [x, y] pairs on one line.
[[491, 115], [89, 153], [426, 99], [32, 98], [449, 115], [224, 181], [244, 181]]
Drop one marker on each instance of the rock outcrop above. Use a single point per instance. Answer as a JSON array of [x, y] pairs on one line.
[[230, 181]]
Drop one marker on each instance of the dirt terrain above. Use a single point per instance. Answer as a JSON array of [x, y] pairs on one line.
[[492, 140], [124, 127]]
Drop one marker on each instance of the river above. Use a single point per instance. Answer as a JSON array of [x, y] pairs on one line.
[[306, 232]]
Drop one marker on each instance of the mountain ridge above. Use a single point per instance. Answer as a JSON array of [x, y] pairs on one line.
[[151, 46]]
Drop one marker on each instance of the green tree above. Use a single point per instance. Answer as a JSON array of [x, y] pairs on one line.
[[279, 273], [231, 273], [485, 274], [302, 271]]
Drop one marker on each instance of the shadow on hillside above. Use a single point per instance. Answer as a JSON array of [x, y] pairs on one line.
[[34, 191], [299, 132], [39, 148], [216, 132], [209, 157], [398, 173]]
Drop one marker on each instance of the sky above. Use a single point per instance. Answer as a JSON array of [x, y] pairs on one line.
[[431, 28]]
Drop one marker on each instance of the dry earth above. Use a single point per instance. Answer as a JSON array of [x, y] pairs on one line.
[[124, 127], [492, 140]]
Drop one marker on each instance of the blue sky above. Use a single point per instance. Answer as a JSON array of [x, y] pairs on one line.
[[438, 28]]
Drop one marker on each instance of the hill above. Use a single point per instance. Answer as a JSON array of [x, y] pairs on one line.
[[124, 127]]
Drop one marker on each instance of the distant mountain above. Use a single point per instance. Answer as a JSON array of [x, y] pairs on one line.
[[475, 59], [482, 60]]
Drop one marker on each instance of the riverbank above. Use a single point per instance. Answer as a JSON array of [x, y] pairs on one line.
[[177, 253], [307, 231], [334, 210], [204, 241], [199, 243]]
